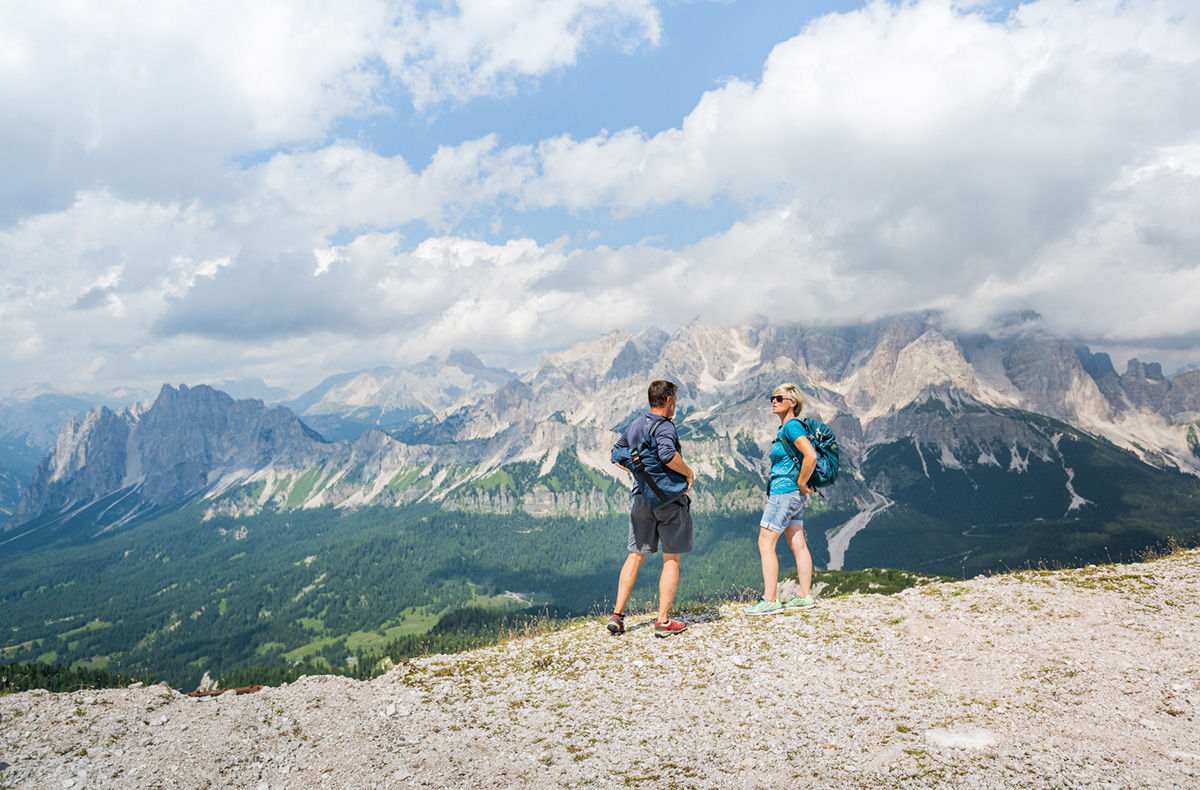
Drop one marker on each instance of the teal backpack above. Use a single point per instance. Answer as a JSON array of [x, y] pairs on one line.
[[825, 443]]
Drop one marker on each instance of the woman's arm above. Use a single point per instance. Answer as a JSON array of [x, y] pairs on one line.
[[807, 464]]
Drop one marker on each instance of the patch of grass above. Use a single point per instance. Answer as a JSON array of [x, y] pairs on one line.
[[310, 650], [267, 647], [12, 650], [303, 487], [377, 640], [402, 480], [92, 625], [879, 581]]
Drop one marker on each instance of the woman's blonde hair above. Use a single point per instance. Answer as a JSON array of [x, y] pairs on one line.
[[792, 393]]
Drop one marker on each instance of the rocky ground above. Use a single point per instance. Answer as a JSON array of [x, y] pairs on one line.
[[1078, 678]]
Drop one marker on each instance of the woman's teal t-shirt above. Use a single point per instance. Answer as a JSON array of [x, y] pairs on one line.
[[784, 469]]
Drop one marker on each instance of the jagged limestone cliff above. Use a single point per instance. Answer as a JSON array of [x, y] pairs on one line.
[[540, 443]]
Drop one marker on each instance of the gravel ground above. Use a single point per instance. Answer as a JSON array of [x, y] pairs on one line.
[[1063, 679]]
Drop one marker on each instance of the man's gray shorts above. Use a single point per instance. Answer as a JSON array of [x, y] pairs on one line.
[[671, 524]]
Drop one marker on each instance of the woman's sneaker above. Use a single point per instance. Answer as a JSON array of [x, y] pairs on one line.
[[668, 628], [616, 624], [765, 607], [807, 602]]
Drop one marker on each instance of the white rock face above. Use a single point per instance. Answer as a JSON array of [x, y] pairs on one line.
[[897, 374], [901, 380]]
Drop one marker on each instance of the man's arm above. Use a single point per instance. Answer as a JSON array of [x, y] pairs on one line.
[[676, 464], [668, 441], [622, 444]]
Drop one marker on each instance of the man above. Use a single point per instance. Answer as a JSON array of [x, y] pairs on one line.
[[666, 518]]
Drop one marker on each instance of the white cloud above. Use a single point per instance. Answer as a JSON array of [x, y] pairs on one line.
[[899, 157], [1130, 271], [90, 280], [141, 94], [346, 185], [911, 102], [486, 45], [151, 97], [916, 155]]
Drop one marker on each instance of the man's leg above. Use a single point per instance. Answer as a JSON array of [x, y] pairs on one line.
[[629, 574], [667, 584], [770, 563], [804, 566]]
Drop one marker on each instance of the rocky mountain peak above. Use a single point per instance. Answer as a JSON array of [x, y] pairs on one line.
[[1151, 371], [1098, 365], [1144, 385], [1181, 405], [187, 440], [465, 359], [87, 462], [639, 354], [907, 379]]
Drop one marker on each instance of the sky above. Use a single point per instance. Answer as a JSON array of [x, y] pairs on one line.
[[209, 190]]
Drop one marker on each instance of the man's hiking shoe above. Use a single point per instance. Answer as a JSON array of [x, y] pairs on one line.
[[616, 624], [668, 628], [807, 602], [764, 607]]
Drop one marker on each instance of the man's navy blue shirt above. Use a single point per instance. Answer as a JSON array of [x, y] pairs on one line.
[[664, 433]]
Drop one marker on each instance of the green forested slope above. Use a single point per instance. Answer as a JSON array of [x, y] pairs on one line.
[[984, 518], [178, 595]]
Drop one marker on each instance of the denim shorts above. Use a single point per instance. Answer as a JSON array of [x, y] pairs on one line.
[[783, 510]]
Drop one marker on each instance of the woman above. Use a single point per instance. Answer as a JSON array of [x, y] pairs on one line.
[[787, 494]]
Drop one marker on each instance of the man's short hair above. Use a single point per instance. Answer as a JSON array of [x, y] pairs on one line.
[[658, 393]]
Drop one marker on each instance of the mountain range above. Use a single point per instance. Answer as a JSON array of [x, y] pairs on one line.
[[938, 430], [388, 509]]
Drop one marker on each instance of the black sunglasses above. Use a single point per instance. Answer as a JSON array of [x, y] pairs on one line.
[[777, 398]]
